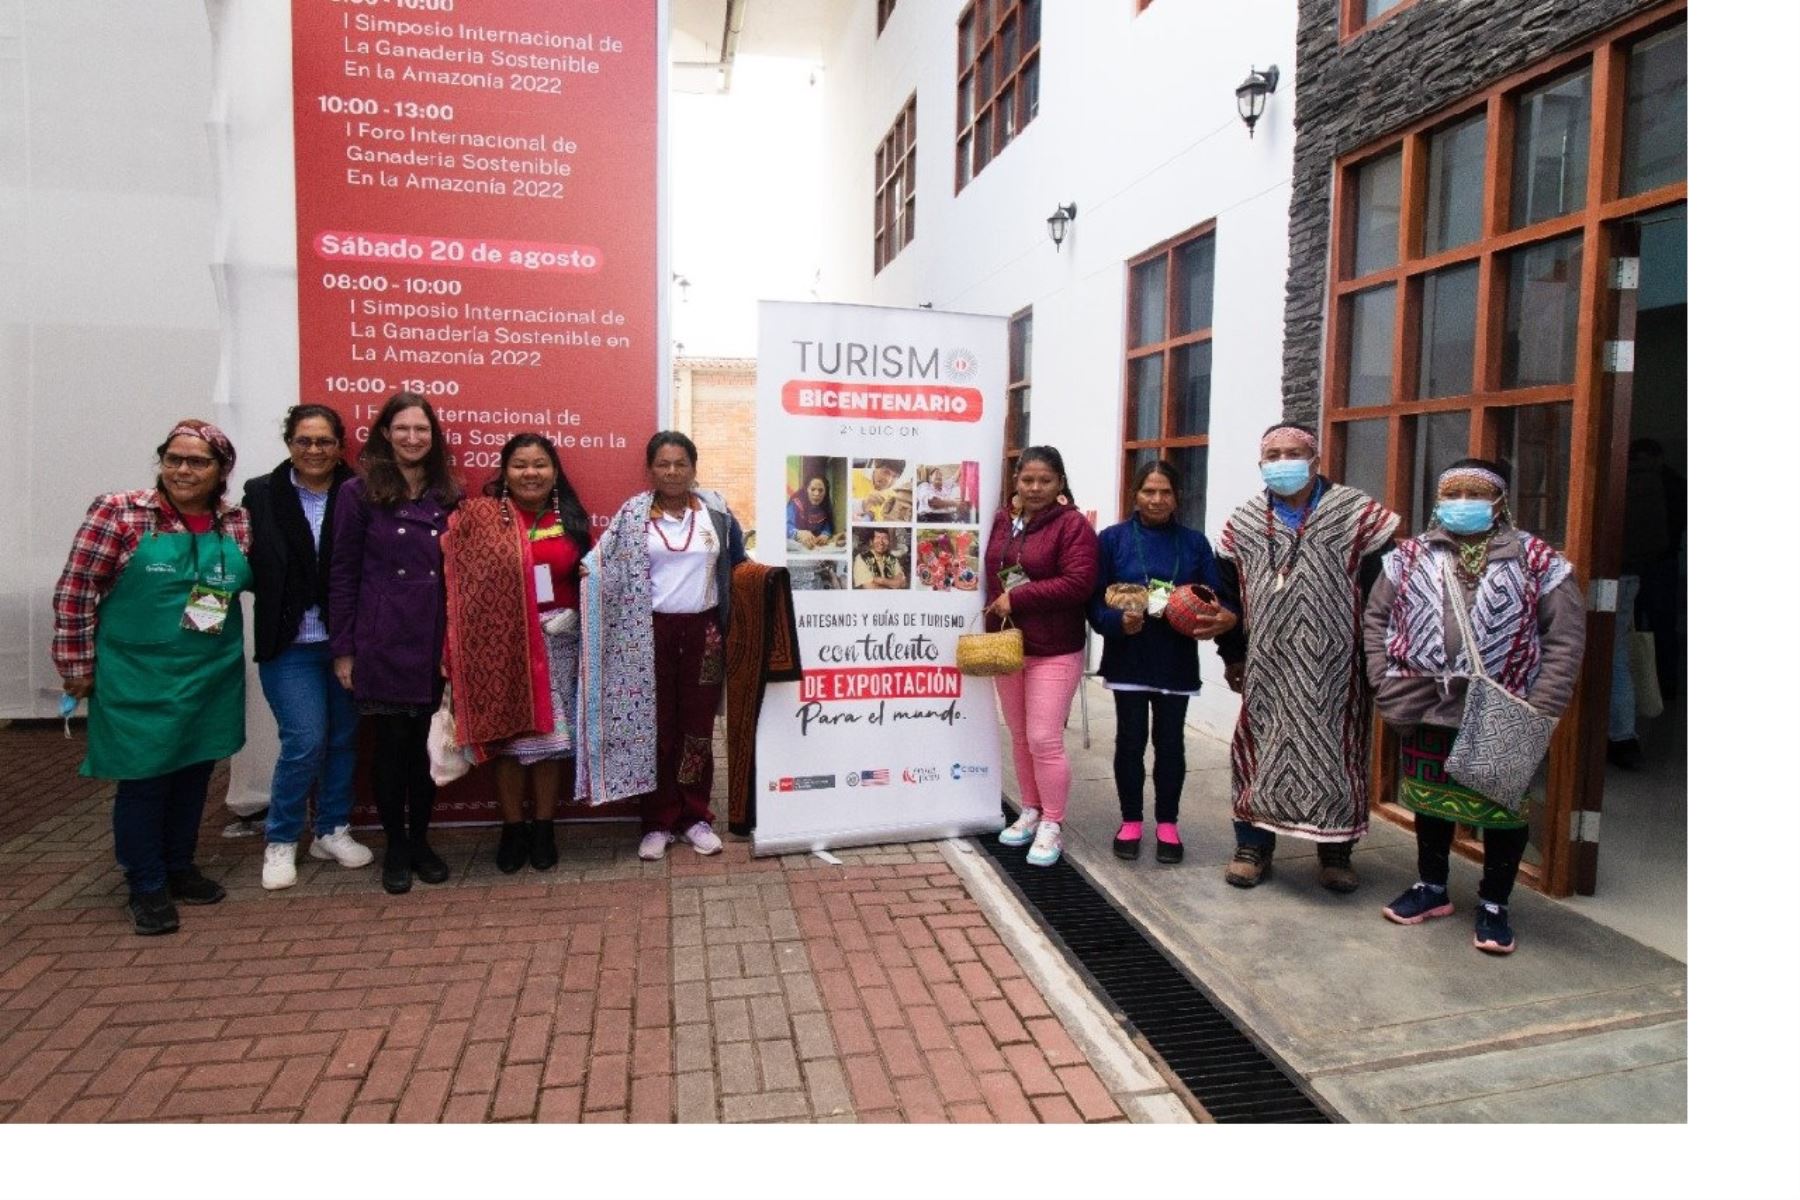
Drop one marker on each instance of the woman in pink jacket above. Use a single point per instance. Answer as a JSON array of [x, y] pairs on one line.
[[1041, 563]]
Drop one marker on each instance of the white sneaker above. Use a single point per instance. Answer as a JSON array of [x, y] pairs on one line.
[[340, 846], [278, 866], [701, 837], [654, 843], [1021, 830], [1046, 847]]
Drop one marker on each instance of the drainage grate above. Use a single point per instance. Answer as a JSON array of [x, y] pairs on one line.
[[1231, 1076]]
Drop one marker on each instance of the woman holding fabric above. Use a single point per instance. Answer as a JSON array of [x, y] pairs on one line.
[[810, 523], [1528, 619], [387, 618], [1040, 565], [1151, 669], [511, 566], [656, 602], [290, 513], [150, 633]]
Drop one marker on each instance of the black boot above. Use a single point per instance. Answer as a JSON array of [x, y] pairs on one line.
[[514, 838], [426, 864], [543, 845], [396, 867]]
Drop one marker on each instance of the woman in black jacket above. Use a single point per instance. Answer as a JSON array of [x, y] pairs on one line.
[[290, 554]]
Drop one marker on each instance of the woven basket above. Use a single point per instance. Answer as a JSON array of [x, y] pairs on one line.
[[1128, 597], [1000, 653]]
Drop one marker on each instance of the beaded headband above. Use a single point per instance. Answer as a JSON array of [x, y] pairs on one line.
[[212, 435], [1472, 475], [1312, 443]]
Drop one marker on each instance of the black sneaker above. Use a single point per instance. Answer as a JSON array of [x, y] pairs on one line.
[[396, 870], [1493, 932], [191, 887], [1418, 904], [153, 913], [427, 865]]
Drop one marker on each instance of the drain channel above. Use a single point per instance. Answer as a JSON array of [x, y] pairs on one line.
[[1231, 1076]]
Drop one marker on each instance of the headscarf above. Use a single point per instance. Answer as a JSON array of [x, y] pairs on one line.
[[1473, 475], [209, 433]]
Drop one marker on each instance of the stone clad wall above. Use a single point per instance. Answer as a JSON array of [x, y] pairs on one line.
[[1421, 59]]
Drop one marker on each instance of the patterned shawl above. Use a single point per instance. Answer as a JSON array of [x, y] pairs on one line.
[[761, 647], [499, 668], [615, 728]]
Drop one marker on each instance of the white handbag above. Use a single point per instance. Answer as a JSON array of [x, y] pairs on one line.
[[449, 760]]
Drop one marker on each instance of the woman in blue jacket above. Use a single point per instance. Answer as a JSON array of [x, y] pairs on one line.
[[1150, 669]]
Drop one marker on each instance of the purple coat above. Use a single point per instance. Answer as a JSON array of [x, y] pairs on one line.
[[1061, 554], [387, 595]]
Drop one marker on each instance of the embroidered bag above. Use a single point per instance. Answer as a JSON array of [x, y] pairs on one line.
[[1502, 739]]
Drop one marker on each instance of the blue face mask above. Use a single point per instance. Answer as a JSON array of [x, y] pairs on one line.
[[1466, 516], [1285, 476]]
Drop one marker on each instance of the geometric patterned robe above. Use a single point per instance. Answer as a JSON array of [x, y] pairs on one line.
[[1300, 755]]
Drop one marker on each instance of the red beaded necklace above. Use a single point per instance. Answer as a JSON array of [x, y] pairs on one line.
[[689, 524]]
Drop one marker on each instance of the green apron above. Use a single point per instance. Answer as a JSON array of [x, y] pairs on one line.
[[167, 697]]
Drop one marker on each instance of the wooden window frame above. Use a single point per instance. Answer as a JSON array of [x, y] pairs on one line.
[[884, 9], [989, 18], [1166, 250], [1350, 18], [1015, 441], [1607, 56], [896, 162]]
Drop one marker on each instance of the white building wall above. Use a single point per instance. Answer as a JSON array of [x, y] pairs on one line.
[[1137, 125]]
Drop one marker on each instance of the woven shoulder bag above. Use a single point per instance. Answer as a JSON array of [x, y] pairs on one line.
[[999, 653]]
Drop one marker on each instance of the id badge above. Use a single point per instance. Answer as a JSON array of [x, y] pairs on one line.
[[546, 590], [1160, 590], [1011, 577], [207, 608]]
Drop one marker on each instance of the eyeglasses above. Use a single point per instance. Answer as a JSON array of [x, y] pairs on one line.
[[306, 443], [174, 462]]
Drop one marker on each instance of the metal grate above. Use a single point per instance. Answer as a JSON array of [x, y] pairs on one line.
[[1228, 1072]]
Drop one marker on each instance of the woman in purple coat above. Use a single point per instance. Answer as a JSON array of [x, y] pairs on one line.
[[386, 616]]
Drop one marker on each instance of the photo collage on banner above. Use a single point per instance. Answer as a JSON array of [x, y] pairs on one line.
[[879, 442]]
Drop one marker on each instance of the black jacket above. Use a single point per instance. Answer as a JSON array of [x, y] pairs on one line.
[[290, 576]]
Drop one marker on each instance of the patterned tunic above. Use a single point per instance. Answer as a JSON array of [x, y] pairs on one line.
[[1300, 756]]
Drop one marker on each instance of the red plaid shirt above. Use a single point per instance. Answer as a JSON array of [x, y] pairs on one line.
[[107, 539]]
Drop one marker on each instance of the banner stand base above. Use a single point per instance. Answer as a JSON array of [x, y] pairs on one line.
[[806, 844]]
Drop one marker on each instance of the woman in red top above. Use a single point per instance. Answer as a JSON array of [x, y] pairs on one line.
[[1040, 567], [511, 562]]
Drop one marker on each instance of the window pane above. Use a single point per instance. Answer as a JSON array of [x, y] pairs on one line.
[[1377, 231], [1371, 347], [1145, 398], [1032, 17], [1534, 445], [1543, 303], [1194, 285], [1028, 93], [984, 76], [965, 101], [1019, 404], [965, 166], [1190, 461], [1656, 113], [1003, 120], [1365, 456], [965, 42], [1009, 48], [1374, 8], [1149, 301], [1447, 332], [1453, 190], [1438, 440], [1134, 461], [1192, 365], [984, 134], [1550, 151]]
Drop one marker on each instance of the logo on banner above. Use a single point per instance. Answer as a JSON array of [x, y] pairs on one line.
[[961, 365], [877, 778], [920, 775], [959, 770], [802, 783]]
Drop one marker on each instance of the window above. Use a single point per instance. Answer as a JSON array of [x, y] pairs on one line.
[[1458, 299], [1168, 366], [996, 79], [883, 10], [894, 162], [1018, 387], [1356, 15]]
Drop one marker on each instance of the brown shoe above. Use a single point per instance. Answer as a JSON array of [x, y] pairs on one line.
[[1248, 867], [1335, 872]]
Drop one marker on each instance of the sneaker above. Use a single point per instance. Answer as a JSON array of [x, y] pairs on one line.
[[340, 847], [1021, 831], [1335, 872], [1249, 866], [1493, 932], [191, 887], [278, 866], [701, 837], [1418, 904], [1046, 845], [153, 913], [654, 844]]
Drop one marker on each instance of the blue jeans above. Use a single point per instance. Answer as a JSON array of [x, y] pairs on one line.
[[1252, 835], [317, 720], [1621, 719], [156, 824]]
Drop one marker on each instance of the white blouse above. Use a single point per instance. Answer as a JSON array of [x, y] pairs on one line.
[[684, 554]]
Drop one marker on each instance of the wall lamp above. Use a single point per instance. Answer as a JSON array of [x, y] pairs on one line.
[[1059, 223], [681, 281], [1253, 93]]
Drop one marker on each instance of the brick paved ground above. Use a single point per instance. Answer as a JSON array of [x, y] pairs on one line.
[[607, 990]]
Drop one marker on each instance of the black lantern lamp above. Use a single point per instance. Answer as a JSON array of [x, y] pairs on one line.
[[1059, 223], [1253, 93]]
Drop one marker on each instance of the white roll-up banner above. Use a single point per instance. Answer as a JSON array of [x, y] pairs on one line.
[[879, 442]]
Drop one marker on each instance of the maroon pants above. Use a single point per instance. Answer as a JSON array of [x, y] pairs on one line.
[[690, 674]]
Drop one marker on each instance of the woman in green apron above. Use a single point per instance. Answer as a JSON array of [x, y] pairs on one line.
[[150, 632]]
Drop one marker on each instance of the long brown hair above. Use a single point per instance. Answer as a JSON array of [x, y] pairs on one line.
[[381, 472]]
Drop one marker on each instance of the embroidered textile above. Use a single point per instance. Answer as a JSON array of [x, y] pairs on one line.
[[499, 671], [564, 653], [615, 729], [1426, 787], [761, 647]]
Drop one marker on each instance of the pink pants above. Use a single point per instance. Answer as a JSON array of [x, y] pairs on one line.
[[1036, 703]]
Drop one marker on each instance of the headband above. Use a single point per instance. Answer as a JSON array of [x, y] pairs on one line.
[[1472, 475], [1312, 443], [212, 435]]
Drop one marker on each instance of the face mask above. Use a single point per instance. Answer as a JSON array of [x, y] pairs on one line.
[[1285, 476], [1466, 516]]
